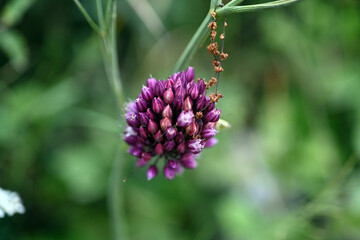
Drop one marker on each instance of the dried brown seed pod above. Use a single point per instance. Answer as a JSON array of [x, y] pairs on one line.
[[223, 56]]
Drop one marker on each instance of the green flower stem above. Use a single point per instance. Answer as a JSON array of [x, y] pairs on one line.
[[195, 41], [192, 46], [234, 3], [91, 22], [228, 10]]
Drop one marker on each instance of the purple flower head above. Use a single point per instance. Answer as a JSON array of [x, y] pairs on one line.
[[163, 124]]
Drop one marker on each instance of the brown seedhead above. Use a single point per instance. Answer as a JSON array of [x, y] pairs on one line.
[[223, 56], [213, 48], [199, 115], [218, 69]]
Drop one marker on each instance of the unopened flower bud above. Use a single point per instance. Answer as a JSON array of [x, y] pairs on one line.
[[159, 88], [157, 105], [167, 112], [165, 123], [169, 83], [188, 161], [151, 83], [210, 106], [152, 127], [169, 145], [169, 172], [178, 102], [135, 151], [211, 142], [200, 103], [151, 172], [209, 132], [201, 86], [196, 146], [171, 133], [193, 128], [141, 104], [144, 119], [179, 138], [132, 119], [168, 96], [188, 104], [213, 115], [147, 94], [194, 91], [159, 149], [209, 125], [150, 114], [158, 136], [173, 164], [181, 147], [143, 132], [190, 75], [180, 92], [185, 119]]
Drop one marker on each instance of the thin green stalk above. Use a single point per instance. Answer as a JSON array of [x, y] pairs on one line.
[[100, 14], [195, 41], [116, 81], [228, 10], [234, 3], [114, 199], [91, 22]]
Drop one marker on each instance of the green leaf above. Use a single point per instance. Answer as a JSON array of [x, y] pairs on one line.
[[14, 45], [14, 10]]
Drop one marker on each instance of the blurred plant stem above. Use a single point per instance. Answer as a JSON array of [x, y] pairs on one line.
[[228, 9], [196, 39], [107, 35], [106, 30]]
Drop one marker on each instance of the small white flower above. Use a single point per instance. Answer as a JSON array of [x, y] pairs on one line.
[[10, 203]]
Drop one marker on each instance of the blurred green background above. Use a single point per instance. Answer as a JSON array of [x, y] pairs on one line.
[[286, 169]]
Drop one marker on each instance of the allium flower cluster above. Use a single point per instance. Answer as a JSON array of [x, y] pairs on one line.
[[171, 119]]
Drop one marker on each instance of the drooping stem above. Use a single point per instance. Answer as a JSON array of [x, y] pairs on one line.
[[228, 10]]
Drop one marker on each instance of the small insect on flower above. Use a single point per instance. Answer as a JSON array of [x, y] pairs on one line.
[[172, 120]]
